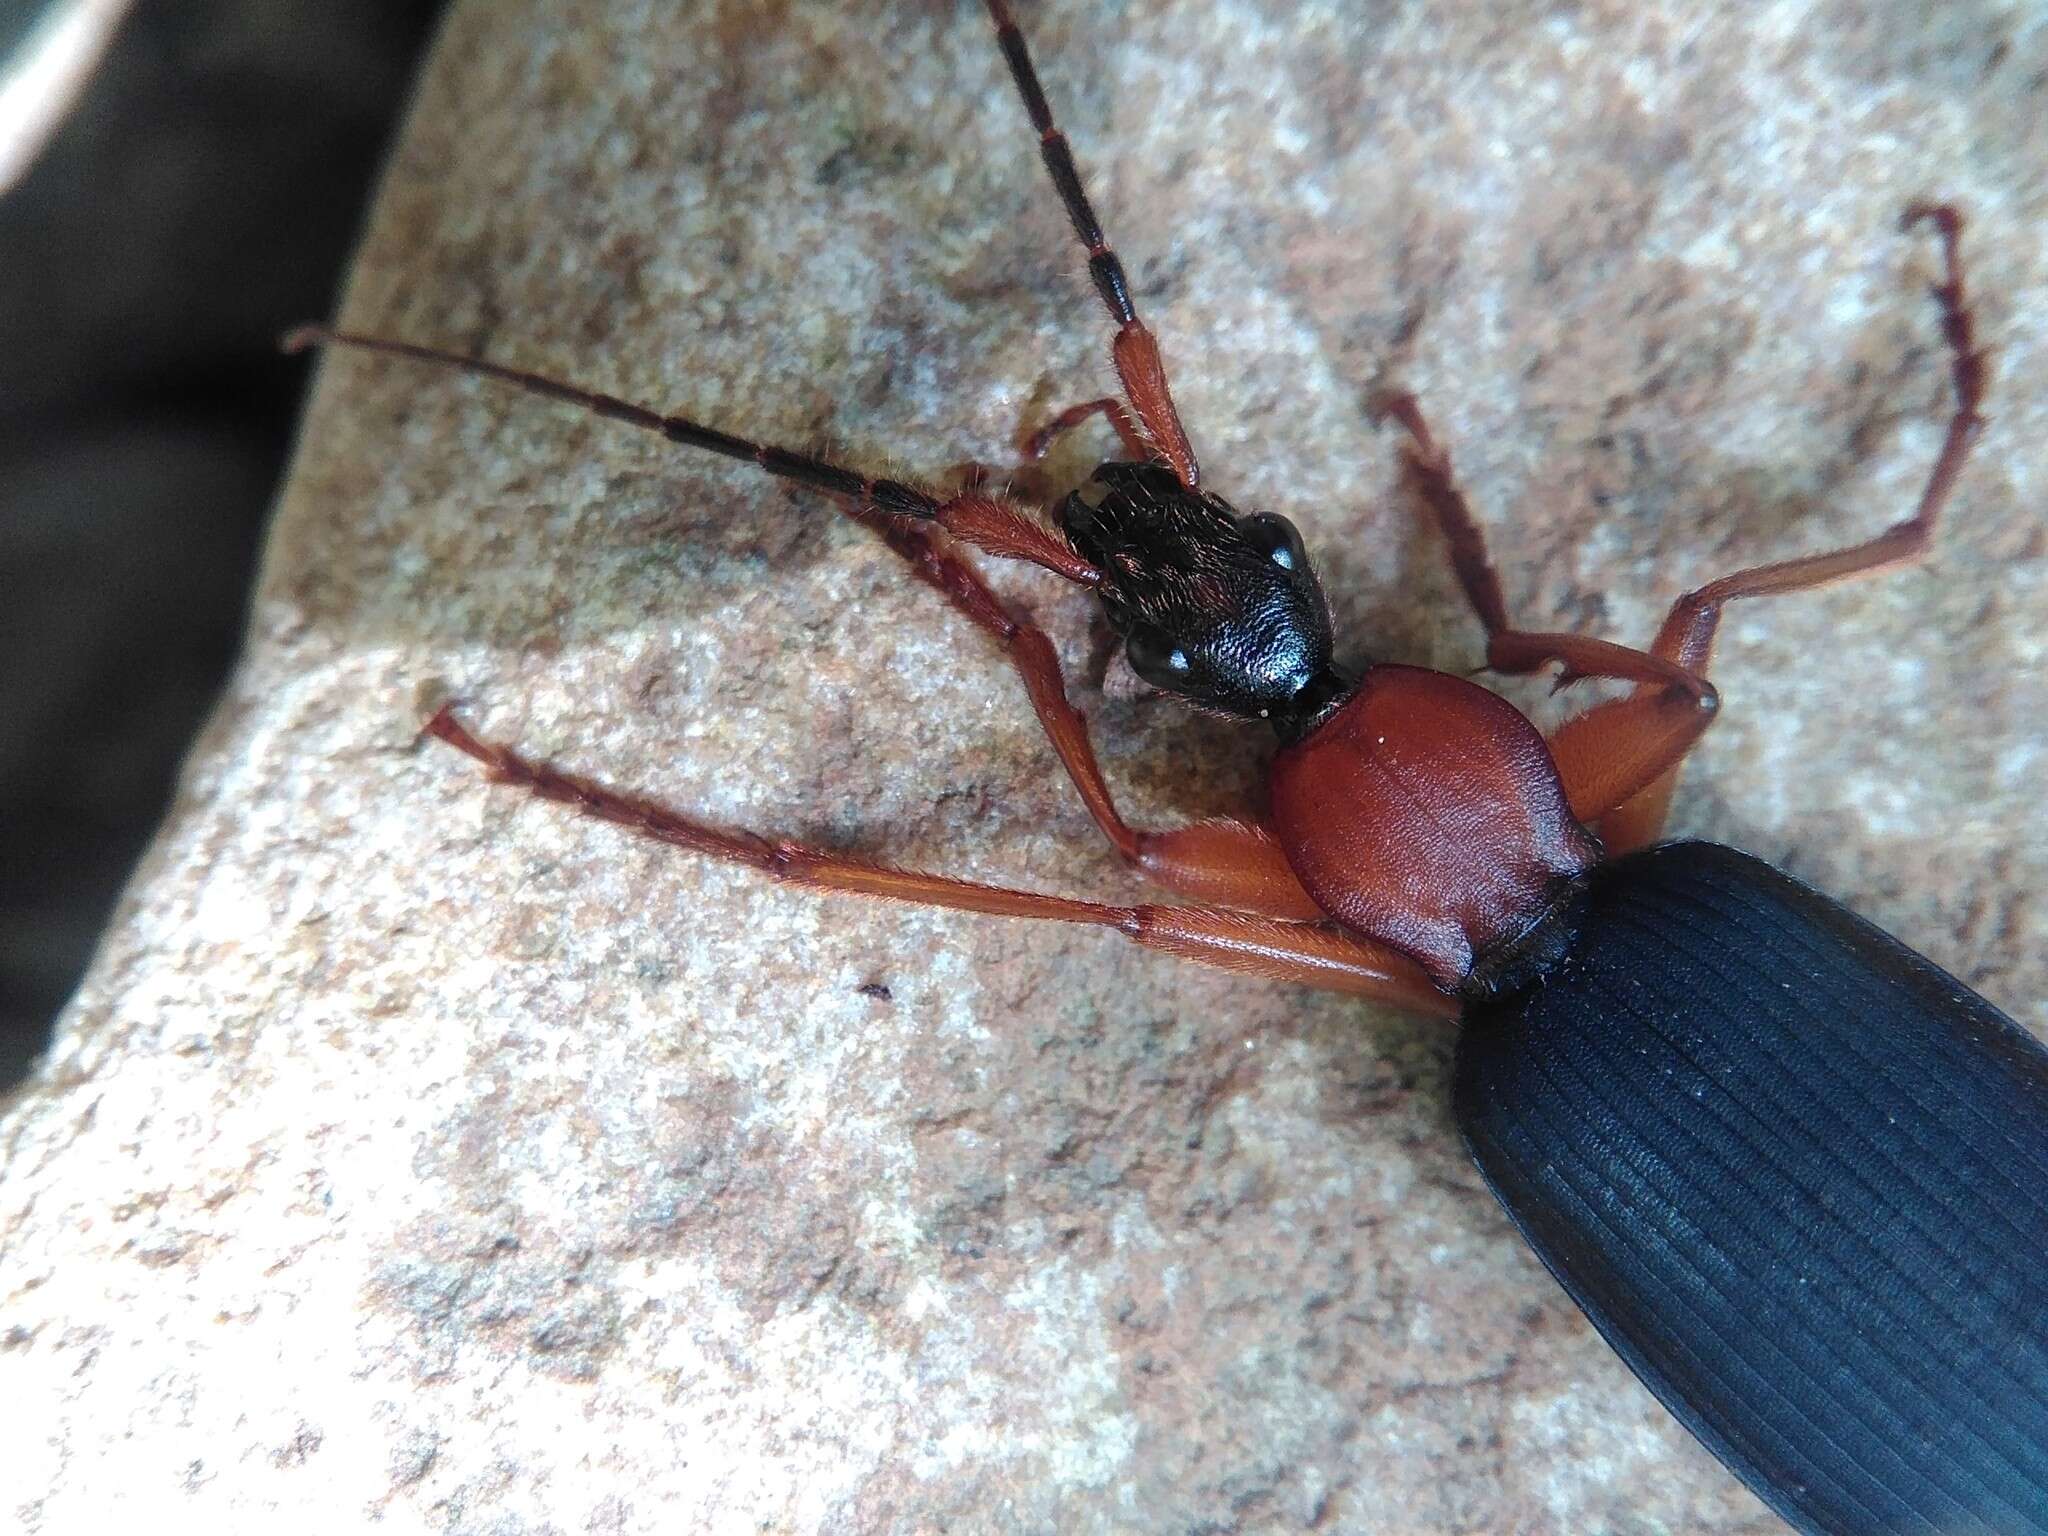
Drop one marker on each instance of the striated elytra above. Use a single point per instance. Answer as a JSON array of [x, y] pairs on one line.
[[1797, 1176]]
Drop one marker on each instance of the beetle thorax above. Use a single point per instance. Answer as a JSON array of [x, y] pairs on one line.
[[1426, 813]]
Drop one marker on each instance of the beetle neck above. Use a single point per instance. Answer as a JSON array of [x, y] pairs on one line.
[[1314, 704], [1519, 959]]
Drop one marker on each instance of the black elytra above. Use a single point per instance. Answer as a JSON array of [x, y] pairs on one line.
[[1797, 1176]]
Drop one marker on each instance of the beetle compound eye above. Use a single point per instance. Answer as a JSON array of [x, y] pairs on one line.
[[1157, 658], [1276, 538]]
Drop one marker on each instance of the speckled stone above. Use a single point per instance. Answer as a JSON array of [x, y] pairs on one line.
[[415, 1153]]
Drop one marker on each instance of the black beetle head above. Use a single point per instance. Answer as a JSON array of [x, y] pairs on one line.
[[1219, 608]]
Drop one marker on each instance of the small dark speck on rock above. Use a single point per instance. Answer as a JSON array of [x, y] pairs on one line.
[[876, 990]]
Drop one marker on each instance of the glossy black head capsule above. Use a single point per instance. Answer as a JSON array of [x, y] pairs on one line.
[[1218, 607]]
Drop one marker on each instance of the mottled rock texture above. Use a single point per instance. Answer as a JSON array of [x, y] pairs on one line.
[[420, 1154]]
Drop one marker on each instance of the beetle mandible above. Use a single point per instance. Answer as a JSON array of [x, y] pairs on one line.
[[1789, 1169]]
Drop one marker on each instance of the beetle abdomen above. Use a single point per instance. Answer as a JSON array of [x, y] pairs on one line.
[[1797, 1176]]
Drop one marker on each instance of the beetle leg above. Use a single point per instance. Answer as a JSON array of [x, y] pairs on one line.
[[1316, 954], [1688, 633], [1236, 863], [1426, 464], [1605, 755], [1428, 469], [1025, 480], [1319, 955], [1036, 445], [1620, 752], [1230, 862]]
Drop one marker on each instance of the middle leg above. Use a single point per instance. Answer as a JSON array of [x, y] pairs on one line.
[[1620, 760], [1642, 738], [1036, 445]]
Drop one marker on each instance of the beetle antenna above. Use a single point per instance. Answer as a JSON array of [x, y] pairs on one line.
[[992, 524], [886, 495], [1135, 352]]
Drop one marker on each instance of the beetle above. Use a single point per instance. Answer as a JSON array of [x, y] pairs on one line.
[[1791, 1171]]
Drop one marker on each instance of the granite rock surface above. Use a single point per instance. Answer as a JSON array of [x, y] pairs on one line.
[[419, 1154]]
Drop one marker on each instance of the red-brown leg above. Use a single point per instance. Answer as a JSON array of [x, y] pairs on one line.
[[1620, 760], [1427, 465], [1687, 636], [1619, 752], [1688, 632], [1036, 445], [1135, 351], [1233, 863], [1314, 954], [1509, 649]]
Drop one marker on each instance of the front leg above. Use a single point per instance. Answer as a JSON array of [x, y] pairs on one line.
[[1036, 445], [1233, 863]]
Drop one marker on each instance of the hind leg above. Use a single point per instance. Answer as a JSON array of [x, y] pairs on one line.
[[1315, 954], [1689, 630], [1620, 760]]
